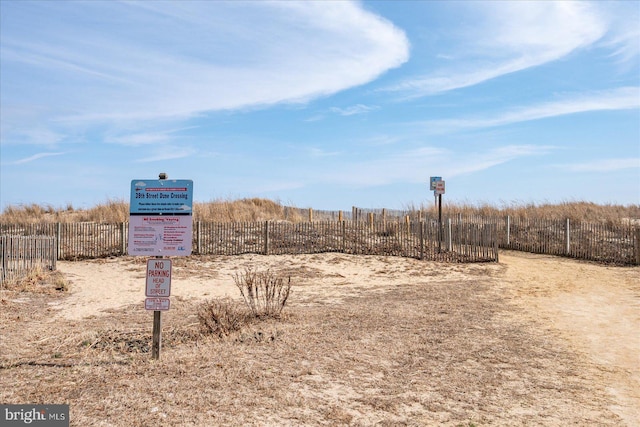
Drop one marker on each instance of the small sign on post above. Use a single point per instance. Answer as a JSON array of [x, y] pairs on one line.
[[439, 190], [158, 278], [157, 304], [432, 182]]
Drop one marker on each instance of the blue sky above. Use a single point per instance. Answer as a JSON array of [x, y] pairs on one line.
[[321, 104]]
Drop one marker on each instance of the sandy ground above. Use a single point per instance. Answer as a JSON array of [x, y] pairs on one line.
[[595, 308]]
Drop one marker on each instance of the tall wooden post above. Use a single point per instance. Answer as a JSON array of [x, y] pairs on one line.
[[156, 344], [637, 245], [567, 239], [123, 238], [407, 222], [199, 237], [344, 237], [421, 234], [440, 222], [157, 336], [58, 237]]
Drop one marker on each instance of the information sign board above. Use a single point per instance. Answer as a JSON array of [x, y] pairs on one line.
[[439, 188], [158, 278], [432, 182], [160, 220]]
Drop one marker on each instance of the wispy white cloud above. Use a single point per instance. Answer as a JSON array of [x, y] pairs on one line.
[[510, 37], [144, 138], [604, 165], [314, 118], [410, 165], [35, 157], [166, 152], [623, 36], [494, 157], [172, 60], [617, 99], [355, 109]]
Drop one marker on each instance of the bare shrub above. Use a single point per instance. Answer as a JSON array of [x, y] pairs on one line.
[[221, 317], [265, 292]]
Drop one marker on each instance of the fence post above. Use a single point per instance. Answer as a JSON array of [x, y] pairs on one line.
[[54, 256], [637, 245], [449, 235], [339, 216], [407, 222], [508, 230], [266, 237], [344, 237], [123, 238], [310, 215], [3, 256], [566, 238], [199, 237], [495, 243], [58, 237], [421, 234]]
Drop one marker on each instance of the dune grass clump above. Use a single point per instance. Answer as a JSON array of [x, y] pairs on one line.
[[38, 280], [222, 317], [264, 292]]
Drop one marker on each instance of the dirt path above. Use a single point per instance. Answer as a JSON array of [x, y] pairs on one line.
[[596, 308]]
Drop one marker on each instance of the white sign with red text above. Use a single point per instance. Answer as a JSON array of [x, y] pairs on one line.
[[157, 304], [160, 235], [158, 278]]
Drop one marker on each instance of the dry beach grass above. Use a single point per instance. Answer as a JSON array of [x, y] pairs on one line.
[[257, 209], [364, 340]]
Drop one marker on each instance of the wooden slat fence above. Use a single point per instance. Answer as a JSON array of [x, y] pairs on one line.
[[461, 237], [78, 240], [468, 242], [21, 254], [601, 242]]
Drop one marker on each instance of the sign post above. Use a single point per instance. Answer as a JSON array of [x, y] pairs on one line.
[[438, 187], [160, 224]]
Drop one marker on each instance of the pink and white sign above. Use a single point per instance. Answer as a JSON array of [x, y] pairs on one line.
[[158, 278], [160, 235]]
